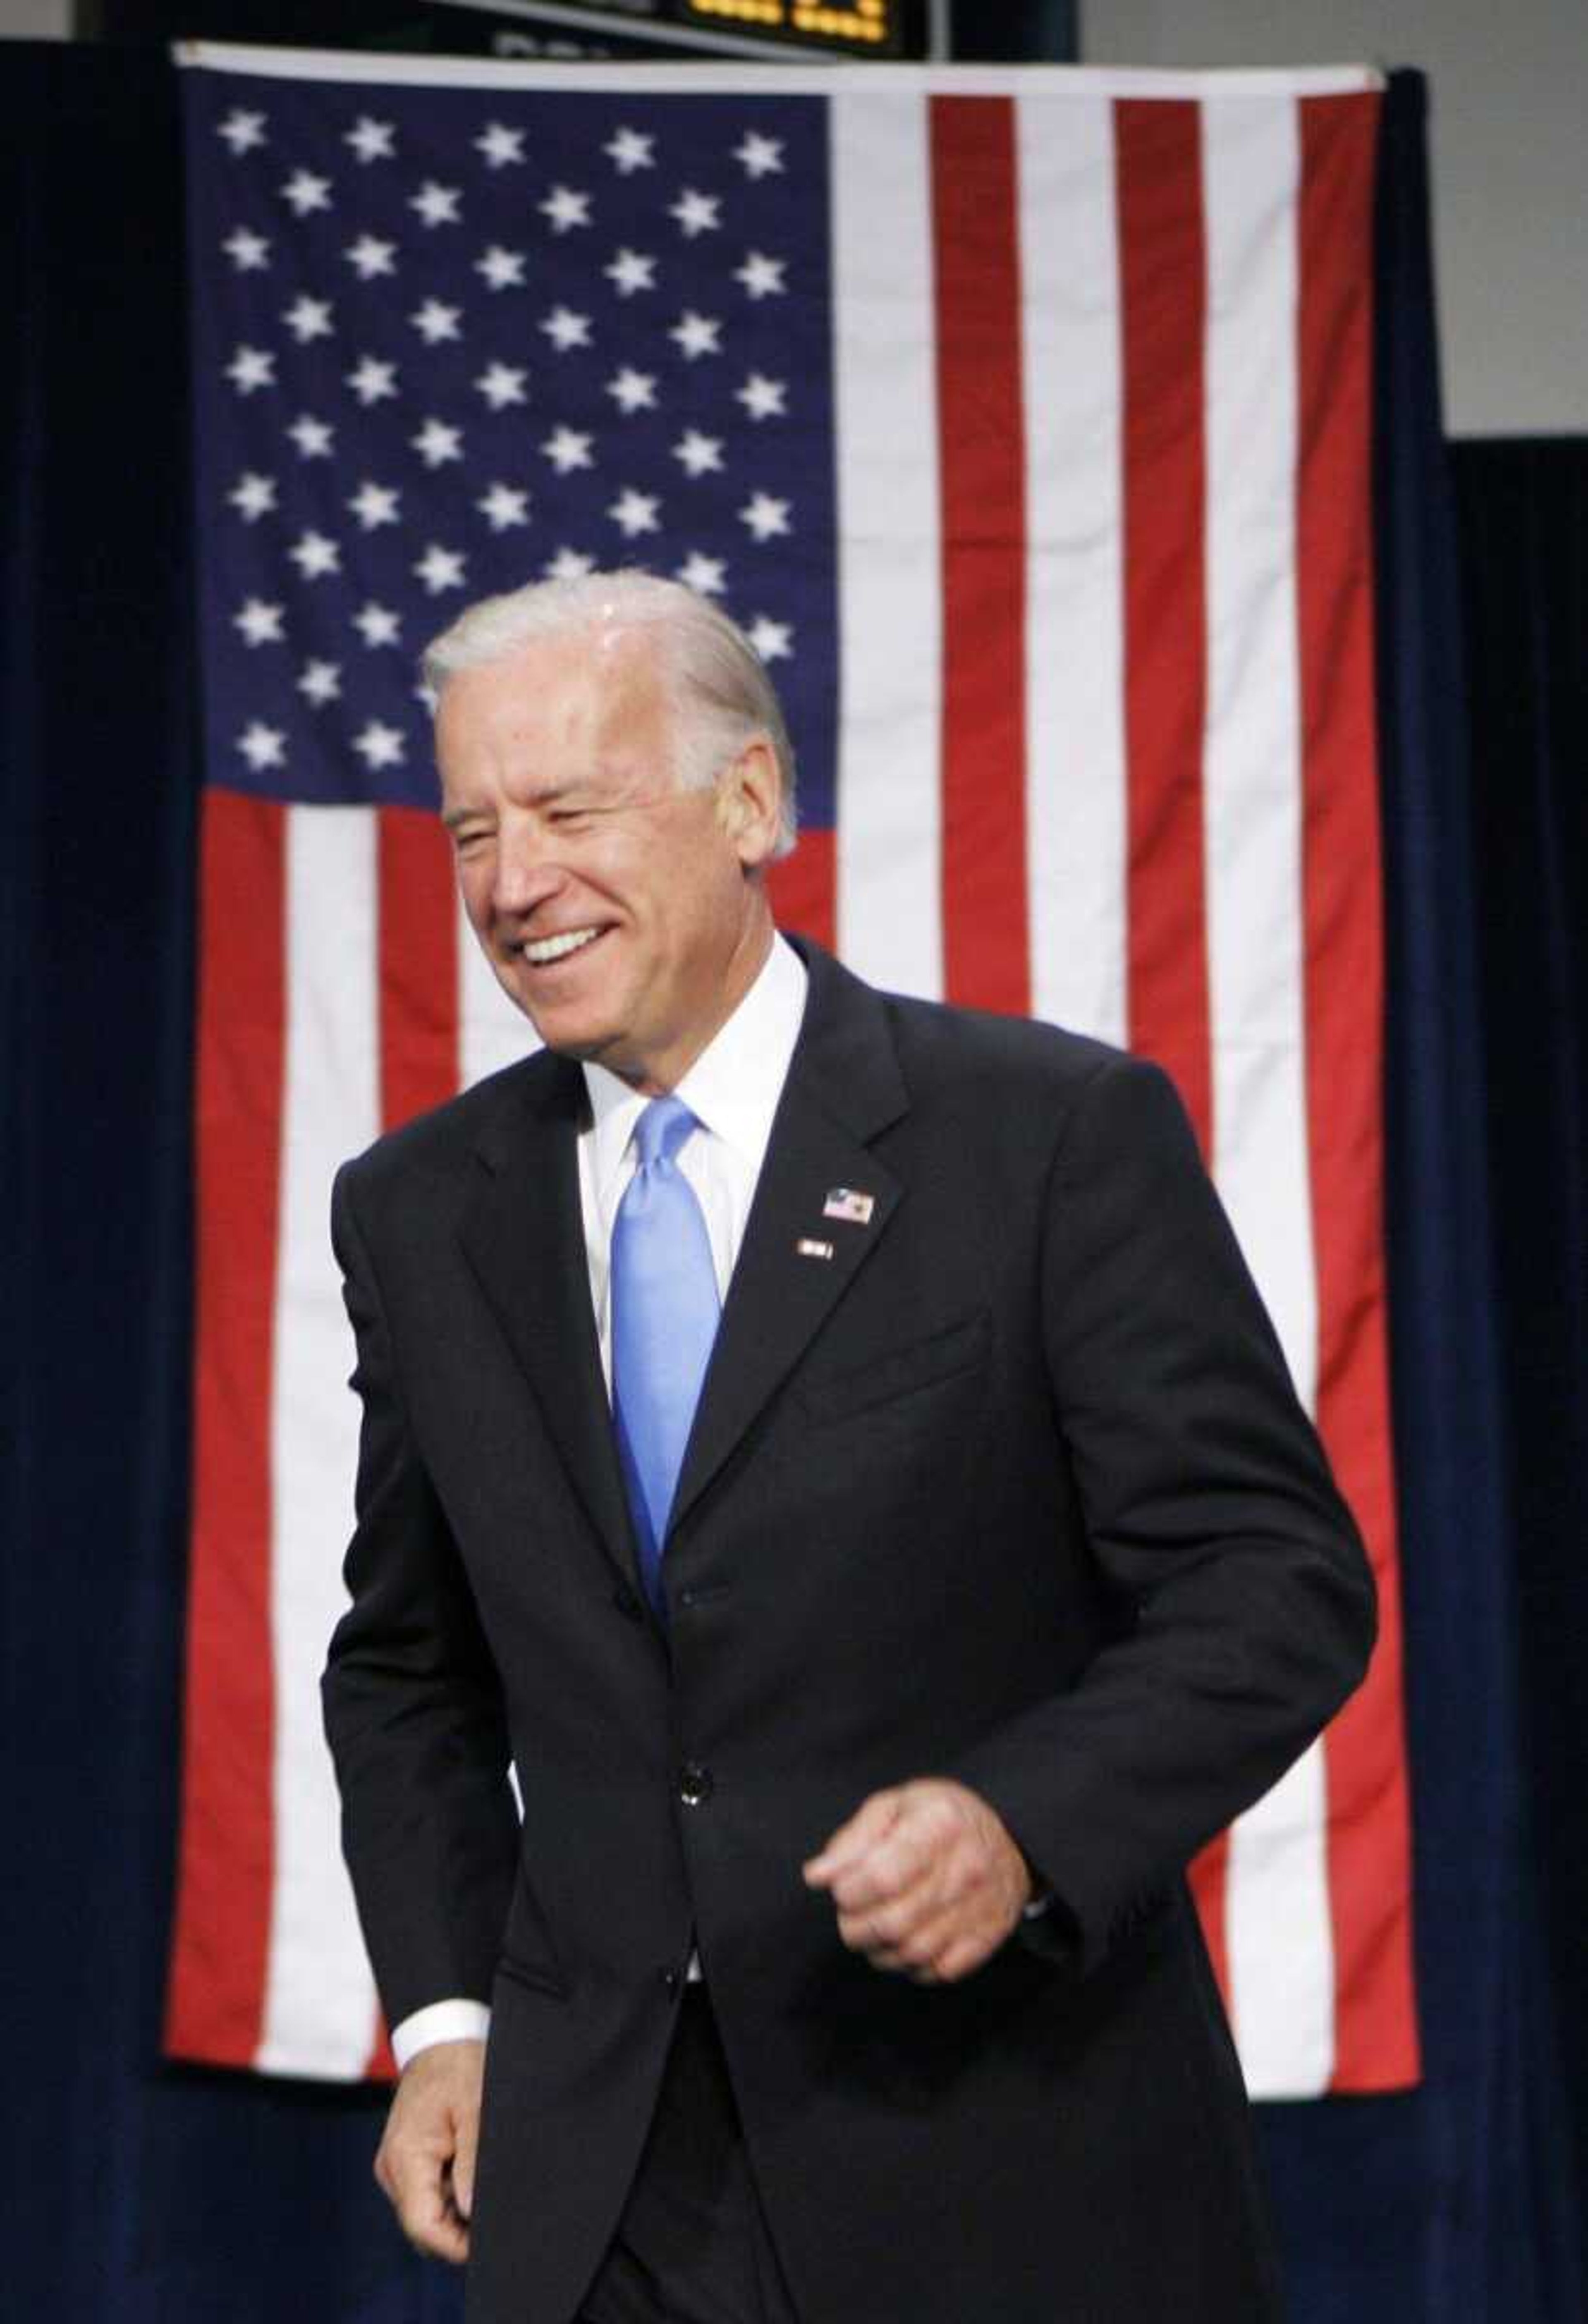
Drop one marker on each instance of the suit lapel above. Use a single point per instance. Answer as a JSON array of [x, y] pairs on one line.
[[844, 1087], [523, 1234]]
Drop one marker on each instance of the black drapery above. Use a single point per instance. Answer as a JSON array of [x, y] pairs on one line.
[[1523, 516], [140, 2192]]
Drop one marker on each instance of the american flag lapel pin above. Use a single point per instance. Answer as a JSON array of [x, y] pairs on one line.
[[847, 1203], [809, 1247]]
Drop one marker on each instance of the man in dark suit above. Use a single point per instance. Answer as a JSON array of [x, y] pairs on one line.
[[871, 1660]]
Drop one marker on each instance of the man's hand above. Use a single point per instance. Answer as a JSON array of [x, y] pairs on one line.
[[926, 1880], [425, 2164]]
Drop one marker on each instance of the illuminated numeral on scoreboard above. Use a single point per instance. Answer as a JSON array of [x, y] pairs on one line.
[[742, 12], [863, 21], [867, 20]]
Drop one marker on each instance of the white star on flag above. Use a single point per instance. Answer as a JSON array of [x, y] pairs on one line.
[[252, 367], [565, 329], [312, 437], [379, 745], [320, 682], [374, 505], [765, 516], [634, 513], [565, 206], [377, 625], [762, 397], [436, 205], [497, 145], [632, 389], [315, 554], [440, 569], [567, 565], [630, 271], [436, 443], [246, 250], [305, 193], [695, 335], [263, 746], [629, 150], [309, 318], [242, 131], [503, 268], [504, 506], [253, 495], [372, 141], [370, 256], [258, 624], [761, 276], [759, 154], [694, 212], [502, 384], [771, 639], [435, 322], [697, 453], [706, 574], [566, 448], [373, 380]]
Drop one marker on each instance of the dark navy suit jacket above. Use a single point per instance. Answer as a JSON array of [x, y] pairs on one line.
[[1012, 1487]]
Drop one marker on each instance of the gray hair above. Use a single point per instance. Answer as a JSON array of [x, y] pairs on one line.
[[719, 694]]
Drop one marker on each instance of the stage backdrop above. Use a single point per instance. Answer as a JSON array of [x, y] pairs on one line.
[[138, 2191], [1023, 419]]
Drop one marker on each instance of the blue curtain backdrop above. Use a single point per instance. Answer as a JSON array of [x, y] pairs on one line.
[[139, 2192]]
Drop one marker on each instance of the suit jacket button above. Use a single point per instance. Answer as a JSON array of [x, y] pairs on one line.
[[696, 1783], [627, 1604]]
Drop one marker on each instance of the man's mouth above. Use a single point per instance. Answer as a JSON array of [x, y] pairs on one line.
[[541, 950]]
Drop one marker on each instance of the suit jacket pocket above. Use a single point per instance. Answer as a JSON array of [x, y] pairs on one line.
[[528, 1955], [960, 1348]]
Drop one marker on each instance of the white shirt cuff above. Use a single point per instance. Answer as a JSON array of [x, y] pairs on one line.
[[443, 2021]]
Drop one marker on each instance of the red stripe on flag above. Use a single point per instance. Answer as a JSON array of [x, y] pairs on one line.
[[1163, 295], [380, 2066], [803, 888], [216, 1998], [1163, 301], [981, 429], [1369, 1858], [418, 964]]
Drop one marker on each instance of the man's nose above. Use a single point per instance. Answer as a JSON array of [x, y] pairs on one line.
[[528, 872]]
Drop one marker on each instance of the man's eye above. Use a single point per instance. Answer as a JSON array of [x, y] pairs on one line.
[[470, 843]]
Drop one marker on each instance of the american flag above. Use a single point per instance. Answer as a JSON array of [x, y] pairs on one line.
[[1023, 417]]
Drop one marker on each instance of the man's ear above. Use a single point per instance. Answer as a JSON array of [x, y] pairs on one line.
[[748, 794]]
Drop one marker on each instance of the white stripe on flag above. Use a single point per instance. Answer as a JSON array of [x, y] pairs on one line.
[[319, 2003], [1277, 1907], [1075, 685], [890, 907], [490, 1032]]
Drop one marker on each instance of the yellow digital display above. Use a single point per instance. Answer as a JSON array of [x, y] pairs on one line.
[[859, 26]]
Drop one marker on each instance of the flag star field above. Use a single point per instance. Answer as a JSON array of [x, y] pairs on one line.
[[441, 351]]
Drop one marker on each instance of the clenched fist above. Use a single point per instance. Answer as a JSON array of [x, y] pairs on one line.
[[926, 1880], [426, 2163]]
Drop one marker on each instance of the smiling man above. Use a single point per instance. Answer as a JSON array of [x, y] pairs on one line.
[[828, 1446]]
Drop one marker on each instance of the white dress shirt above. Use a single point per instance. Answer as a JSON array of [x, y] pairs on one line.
[[732, 1089]]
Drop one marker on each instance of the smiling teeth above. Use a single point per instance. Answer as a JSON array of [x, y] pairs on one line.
[[549, 948]]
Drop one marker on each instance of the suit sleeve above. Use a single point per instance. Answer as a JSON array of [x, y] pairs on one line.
[[413, 1706], [1247, 1604]]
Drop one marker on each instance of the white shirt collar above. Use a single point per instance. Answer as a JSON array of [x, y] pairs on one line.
[[734, 1085]]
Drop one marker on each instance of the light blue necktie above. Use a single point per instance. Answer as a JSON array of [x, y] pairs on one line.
[[664, 1318]]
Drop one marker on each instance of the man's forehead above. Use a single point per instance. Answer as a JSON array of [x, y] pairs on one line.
[[577, 678]]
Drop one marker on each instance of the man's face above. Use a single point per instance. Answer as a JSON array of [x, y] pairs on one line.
[[613, 907]]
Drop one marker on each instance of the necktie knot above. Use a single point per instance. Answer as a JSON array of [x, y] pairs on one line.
[[660, 1129]]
